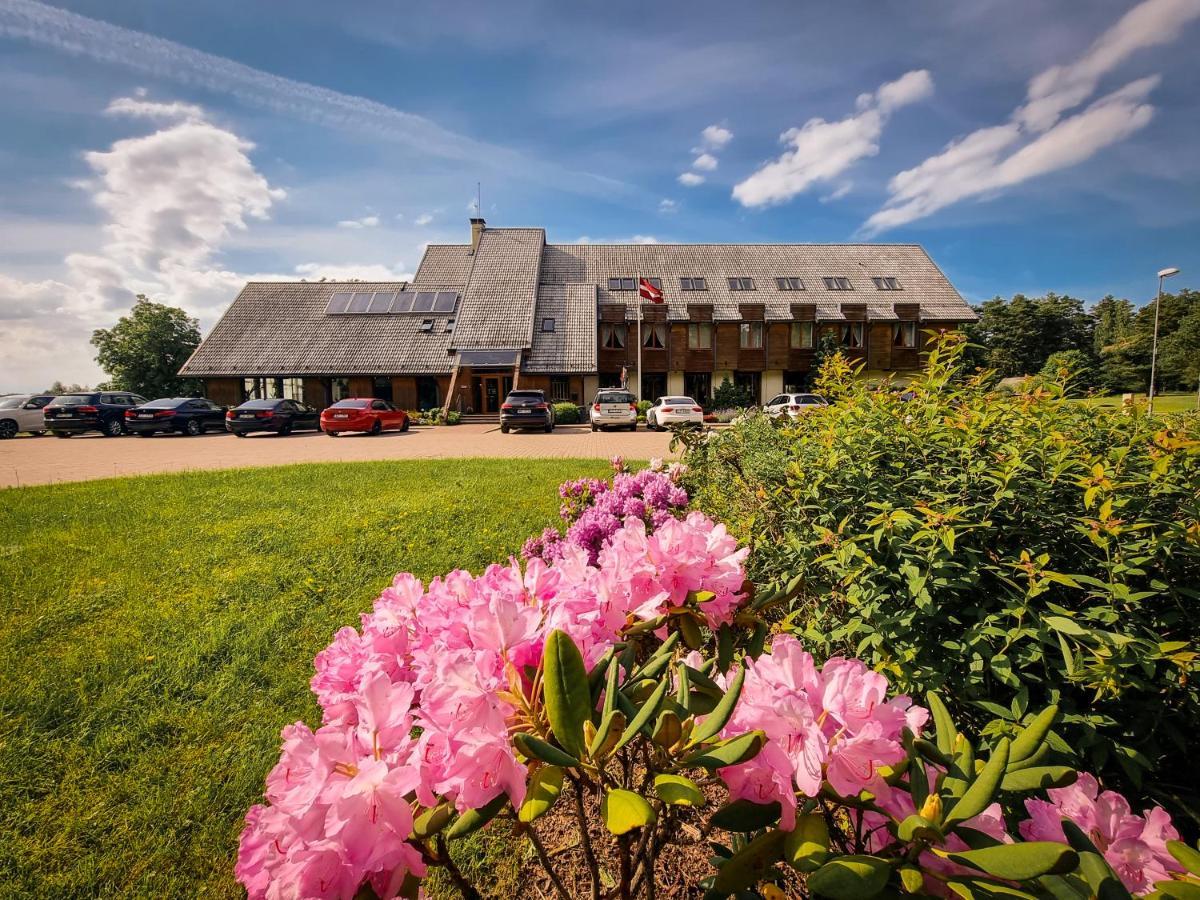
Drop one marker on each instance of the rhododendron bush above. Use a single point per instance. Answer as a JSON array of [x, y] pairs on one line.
[[624, 683]]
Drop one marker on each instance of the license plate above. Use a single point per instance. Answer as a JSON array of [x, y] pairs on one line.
[[614, 410], [67, 414], [145, 415], [524, 412], [245, 415], [341, 415]]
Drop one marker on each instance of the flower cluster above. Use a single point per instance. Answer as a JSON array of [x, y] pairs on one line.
[[594, 510], [1134, 846], [417, 704], [834, 724]]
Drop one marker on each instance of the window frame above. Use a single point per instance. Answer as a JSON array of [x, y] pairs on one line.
[[622, 283], [745, 331], [887, 283], [796, 335], [740, 283], [618, 330], [549, 330], [695, 330], [790, 283], [848, 331], [656, 336], [837, 283], [898, 331], [693, 283], [426, 326]]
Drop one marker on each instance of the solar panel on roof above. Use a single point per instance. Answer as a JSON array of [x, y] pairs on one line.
[[445, 302], [338, 303], [404, 302], [424, 302], [359, 302], [381, 302]]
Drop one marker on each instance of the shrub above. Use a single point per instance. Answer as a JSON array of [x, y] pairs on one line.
[[729, 396], [566, 413], [453, 417], [1075, 369], [1015, 551]]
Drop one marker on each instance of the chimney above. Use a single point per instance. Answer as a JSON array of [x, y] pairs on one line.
[[477, 227]]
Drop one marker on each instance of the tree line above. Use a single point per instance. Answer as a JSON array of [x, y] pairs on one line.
[[1106, 348]]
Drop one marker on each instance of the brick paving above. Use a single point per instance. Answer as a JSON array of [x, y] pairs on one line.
[[27, 460]]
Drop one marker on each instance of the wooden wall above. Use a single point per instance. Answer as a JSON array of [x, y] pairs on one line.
[[223, 391]]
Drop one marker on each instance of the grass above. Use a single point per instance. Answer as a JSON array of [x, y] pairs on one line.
[[158, 632], [1163, 403]]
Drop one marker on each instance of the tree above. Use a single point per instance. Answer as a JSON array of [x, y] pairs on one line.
[[1179, 350], [59, 388], [1114, 322], [1020, 334], [1125, 364], [144, 351], [1074, 367], [729, 396]]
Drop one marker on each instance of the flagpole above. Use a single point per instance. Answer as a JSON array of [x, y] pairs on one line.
[[639, 340]]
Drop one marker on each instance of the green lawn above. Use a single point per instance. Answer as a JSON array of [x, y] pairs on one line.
[[1163, 403], [158, 632]]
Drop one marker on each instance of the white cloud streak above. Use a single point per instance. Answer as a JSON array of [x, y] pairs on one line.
[[705, 162], [821, 151], [690, 179], [1037, 140], [364, 222]]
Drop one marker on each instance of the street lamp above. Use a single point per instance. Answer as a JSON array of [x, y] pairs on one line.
[[1164, 273]]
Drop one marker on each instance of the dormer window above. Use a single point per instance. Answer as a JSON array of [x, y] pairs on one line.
[[622, 284], [449, 329], [693, 284], [547, 326], [426, 326], [741, 284], [837, 283], [790, 284], [887, 283]]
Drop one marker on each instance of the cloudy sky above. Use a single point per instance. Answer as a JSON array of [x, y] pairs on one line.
[[178, 149]]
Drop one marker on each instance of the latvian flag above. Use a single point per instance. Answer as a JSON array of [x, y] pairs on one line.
[[647, 291]]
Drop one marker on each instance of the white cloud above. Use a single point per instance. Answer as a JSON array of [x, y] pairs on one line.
[[666, 205], [1036, 139], [350, 272], [139, 107], [423, 219], [714, 137], [705, 162], [643, 239], [690, 179], [821, 151], [364, 222]]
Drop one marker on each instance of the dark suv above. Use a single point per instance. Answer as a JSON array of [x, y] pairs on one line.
[[526, 409], [102, 411]]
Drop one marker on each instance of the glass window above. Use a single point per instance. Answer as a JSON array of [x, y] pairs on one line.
[[339, 388], [693, 284], [790, 284], [622, 284], [654, 335], [293, 388], [612, 336], [378, 404], [426, 326], [802, 335], [700, 336], [349, 404], [887, 283], [741, 284], [698, 385], [560, 387], [904, 334], [852, 334], [655, 282], [382, 388], [615, 397], [11, 402], [449, 326], [750, 335], [750, 383], [837, 284], [547, 325]]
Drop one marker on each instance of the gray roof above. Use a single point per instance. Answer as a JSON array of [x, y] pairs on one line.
[[514, 280]]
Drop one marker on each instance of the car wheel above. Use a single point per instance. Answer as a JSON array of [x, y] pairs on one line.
[[144, 433], [376, 428], [62, 434], [332, 433], [239, 434], [549, 427], [114, 428], [38, 433], [193, 428], [404, 426], [285, 429], [504, 429], [595, 427], [8, 429]]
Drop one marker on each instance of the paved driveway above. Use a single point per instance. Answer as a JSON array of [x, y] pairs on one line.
[[28, 460]]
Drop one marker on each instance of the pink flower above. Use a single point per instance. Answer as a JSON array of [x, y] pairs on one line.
[[854, 761]]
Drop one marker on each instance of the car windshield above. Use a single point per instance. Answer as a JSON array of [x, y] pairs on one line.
[[11, 402], [350, 404], [73, 400], [525, 395], [614, 397], [163, 403], [260, 404], [678, 401]]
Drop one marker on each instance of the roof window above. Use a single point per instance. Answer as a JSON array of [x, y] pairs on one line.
[[838, 283], [790, 284], [887, 283]]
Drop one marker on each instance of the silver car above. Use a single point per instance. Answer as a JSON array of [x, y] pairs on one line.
[[22, 412], [614, 408]]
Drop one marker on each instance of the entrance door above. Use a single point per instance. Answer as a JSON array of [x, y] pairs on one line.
[[491, 394]]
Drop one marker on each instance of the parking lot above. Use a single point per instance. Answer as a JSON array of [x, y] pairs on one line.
[[26, 460]]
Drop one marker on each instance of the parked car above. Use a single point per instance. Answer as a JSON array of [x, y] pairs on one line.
[[667, 411], [614, 408], [23, 412], [102, 411], [362, 414], [526, 409], [186, 415], [793, 405], [280, 416]]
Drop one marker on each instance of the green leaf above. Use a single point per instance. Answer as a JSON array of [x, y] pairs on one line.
[[745, 815], [1019, 862], [433, 820], [850, 878], [1179, 890], [721, 713], [916, 827], [677, 790], [983, 789], [610, 689], [942, 723], [1063, 625], [806, 846], [689, 628], [536, 748], [749, 865], [728, 753], [1038, 777], [1186, 856], [623, 811], [1032, 736], [544, 788], [474, 819], [649, 708], [1093, 867], [568, 697], [912, 880]]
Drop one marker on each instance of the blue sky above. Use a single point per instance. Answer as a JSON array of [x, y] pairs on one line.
[[182, 148]]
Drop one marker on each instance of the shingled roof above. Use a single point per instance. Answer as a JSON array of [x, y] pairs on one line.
[[513, 280]]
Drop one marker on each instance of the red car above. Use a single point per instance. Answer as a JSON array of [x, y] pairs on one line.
[[362, 414]]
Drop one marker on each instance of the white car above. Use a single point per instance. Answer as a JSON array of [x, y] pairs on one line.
[[794, 405], [614, 408], [22, 412], [668, 411]]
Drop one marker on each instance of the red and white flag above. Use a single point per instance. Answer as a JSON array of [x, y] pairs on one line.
[[647, 291]]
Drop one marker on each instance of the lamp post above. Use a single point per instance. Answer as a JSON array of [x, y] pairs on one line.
[[1164, 273]]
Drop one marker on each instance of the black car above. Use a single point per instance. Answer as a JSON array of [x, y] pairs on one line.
[[280, 416], [186, 415], [526, 409], [102, 411]]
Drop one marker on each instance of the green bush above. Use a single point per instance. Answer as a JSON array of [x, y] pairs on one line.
[[1074, 368], [1012, 550], [566, 414], [729, 396], [453, 417]]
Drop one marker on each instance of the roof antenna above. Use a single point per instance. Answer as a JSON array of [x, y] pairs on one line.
[[478, 200]]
